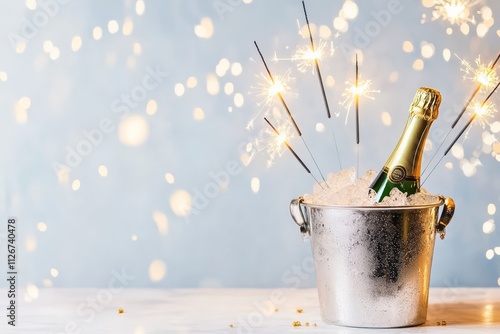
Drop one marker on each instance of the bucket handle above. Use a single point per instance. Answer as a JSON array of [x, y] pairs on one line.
[[298, 216], [446, 215]]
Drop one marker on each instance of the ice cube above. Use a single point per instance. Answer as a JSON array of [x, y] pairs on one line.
[[395, 198], [422, 198], [342, 178], [370, 175], [319, 187]]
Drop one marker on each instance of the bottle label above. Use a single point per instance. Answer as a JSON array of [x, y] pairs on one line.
[[398, 174]]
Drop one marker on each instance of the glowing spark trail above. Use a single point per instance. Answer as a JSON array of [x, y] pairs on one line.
[[316, 63], [352, 92], [274, 144], [483, 111], [268, 90], [282, 140], [454, 11], [307, 56]]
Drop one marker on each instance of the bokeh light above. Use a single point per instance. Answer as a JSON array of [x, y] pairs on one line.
[[161, 222], [133, 130], [205, 29], [157, 270], [42, 227], [181, 203], [169, 177], [255, 184], [103, 170]]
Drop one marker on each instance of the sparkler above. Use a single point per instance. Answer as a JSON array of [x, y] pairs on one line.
[[281, 139], [483, 109], [356, 85], [357, 118], [280, 96], [314, 56], [352, 93], [485, 76]]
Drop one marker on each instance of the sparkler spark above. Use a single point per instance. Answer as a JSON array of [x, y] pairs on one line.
[[274, 144], [483, 111], [268, 92], [483, 74], [306, 57], [352, 92], [454, 11], [281, 141]]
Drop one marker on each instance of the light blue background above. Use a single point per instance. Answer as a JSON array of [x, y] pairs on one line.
[[239, 239]]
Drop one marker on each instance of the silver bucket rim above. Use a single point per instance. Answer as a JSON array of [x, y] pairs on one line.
[[440, 202], [302, 220]]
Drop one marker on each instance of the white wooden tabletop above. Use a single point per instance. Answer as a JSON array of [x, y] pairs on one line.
[[137, 311]]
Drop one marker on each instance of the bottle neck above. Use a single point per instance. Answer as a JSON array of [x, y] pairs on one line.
[[406, 159]]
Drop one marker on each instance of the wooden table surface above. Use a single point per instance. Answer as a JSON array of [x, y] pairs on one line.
[[464, 310]]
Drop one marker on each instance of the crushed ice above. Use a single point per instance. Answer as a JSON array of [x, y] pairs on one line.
[[342, 188]]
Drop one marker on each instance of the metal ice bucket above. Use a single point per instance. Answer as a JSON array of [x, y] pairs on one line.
[[373, 264]]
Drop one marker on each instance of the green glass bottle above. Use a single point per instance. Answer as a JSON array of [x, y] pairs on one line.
[[402, 169]]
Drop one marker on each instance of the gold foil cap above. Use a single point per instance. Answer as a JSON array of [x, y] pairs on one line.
[[426, 103]]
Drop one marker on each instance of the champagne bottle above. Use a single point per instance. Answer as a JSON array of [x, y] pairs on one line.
[[402, 169]]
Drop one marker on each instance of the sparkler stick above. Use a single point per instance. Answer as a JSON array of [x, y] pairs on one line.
[[293, 152], [357, 118], [478, 88], [357, 102], [325, 100], [288, 111], [471, 119], [480, 84]]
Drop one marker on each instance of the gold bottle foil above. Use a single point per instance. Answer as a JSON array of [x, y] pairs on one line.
[[406, 159], [426, 103]]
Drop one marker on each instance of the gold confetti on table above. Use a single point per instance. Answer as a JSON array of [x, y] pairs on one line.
[[296, 324]]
